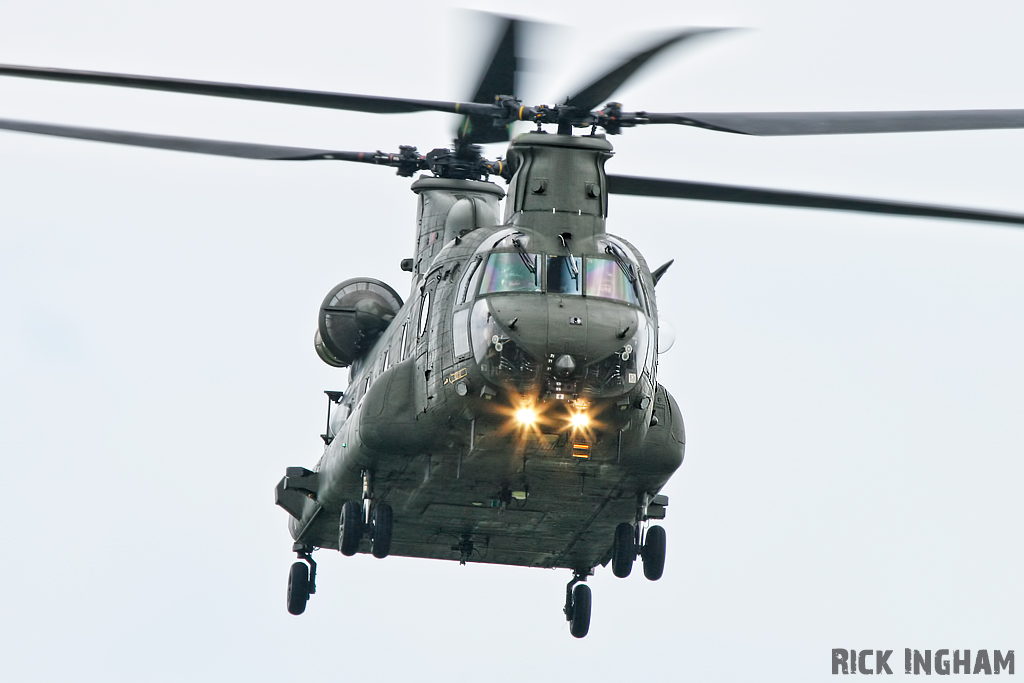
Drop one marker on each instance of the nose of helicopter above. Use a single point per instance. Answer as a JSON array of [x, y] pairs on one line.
[[563, 345], [571, 328]]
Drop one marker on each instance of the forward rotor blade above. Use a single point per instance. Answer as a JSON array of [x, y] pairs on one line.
[[685, 189], [604, 87], [842, 123], [307, 98], [498, 79], [243, 150]]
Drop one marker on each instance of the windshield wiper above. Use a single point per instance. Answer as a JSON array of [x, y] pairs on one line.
[[573, 270], [531, 264], [625, 266], [627, 269]]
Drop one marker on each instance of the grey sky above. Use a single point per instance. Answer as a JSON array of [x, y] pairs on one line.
[[852, 385]]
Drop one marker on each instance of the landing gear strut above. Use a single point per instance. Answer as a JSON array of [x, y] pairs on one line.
[[301, 579], [577, 603]]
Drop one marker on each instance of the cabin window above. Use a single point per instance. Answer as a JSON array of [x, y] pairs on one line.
[[405, 330], [564, 275], [384, 363], [606, 278], [512, 271]]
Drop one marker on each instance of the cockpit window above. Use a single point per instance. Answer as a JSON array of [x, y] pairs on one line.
[[605, 278], [614, 275], [469, 279], [564, 275], [515, 271]]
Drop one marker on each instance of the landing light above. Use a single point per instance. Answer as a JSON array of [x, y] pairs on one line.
[[526, 416], [579, 420]]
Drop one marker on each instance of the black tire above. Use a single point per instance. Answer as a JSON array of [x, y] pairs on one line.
[[350, 530], [653, 553], [380, 542], [298, 588], [623, 550], [579, 625]]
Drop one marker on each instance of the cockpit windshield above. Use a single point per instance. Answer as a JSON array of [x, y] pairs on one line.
[[514, 271], [607, 279], [564, 275]]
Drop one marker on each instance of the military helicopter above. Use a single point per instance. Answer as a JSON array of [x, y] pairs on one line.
[[509, 411]]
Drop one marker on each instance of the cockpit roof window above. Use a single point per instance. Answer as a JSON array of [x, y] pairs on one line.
[[507, 239]]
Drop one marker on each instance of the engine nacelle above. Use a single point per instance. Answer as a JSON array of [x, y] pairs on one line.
[[352, 316]]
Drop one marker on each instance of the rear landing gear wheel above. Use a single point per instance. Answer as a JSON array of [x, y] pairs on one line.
[[380, 540], [623, 550], [298, 588], [351, 528], [579, 622], [653, 553], [577, 603]]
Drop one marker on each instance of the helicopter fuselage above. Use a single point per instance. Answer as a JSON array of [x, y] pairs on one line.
[[512, 402]]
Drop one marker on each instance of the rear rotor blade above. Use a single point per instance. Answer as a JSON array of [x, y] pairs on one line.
[[243, 150], [308, 98], [841, 123], [604, 87], [685, 189]]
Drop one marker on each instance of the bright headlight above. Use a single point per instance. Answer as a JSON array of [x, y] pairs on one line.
[[526, 416]]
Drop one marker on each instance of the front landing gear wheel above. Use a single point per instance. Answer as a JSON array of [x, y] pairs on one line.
[[298, 588], [623, 550], [382, 519], [653, 553], [350, 530], [579, 621]]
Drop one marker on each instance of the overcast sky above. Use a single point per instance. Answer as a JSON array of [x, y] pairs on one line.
[[852, 386]]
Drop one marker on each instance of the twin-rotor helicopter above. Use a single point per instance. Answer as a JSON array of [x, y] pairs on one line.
[[508, 410]]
